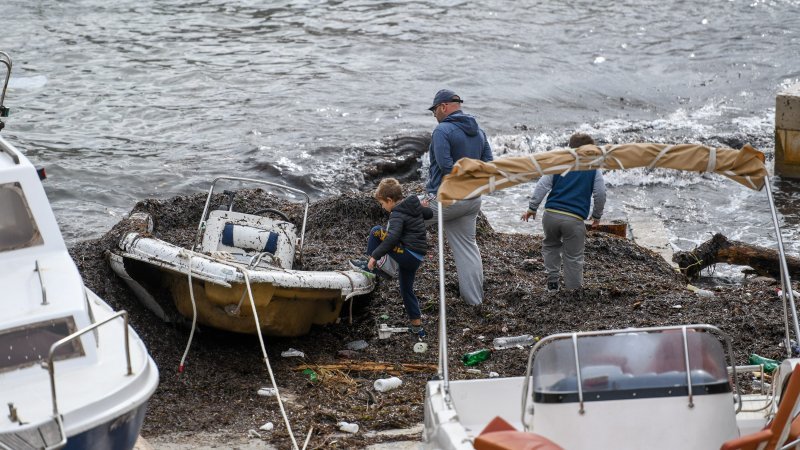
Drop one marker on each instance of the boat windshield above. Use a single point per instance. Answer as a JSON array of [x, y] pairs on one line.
[[30, 344], [17, 227], [630, 365]]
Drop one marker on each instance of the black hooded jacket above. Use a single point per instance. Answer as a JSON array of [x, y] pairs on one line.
[[406, 228]]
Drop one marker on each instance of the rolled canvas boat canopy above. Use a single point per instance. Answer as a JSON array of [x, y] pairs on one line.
[[472, 178]]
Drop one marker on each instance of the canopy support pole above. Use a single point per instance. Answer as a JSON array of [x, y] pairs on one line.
[[442, 309], [786, 281]]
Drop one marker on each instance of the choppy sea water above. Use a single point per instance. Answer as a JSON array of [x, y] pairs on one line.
[[126, 100]]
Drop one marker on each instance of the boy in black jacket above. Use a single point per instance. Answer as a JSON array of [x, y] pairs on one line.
[[404, 240]]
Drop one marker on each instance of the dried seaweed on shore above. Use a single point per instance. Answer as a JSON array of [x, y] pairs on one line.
[[626, 286]]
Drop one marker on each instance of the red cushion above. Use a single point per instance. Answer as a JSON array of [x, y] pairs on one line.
[[514, 440]]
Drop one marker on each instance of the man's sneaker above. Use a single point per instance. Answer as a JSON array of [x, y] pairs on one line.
[[552, 286], [418, 331], [361, 266]]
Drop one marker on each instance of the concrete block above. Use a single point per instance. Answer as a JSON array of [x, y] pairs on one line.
[[787, 109]]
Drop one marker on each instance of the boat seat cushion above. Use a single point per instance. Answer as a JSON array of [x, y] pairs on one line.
[[501, 435], [249, 238]]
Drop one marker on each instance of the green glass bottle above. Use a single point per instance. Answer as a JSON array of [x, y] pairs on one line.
[[769, 364], [473, 358]]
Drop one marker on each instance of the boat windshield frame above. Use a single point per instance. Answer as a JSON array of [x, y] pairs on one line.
[[18, 215], [206, 212], [647, 361]]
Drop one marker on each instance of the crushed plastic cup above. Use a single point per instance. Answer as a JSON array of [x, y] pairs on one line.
[[387, 384], [292, 353], [348, 427], [267, 392], [357, 345], [267, 427]]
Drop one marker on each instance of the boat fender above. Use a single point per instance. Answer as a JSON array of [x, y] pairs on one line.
[[249, 238]]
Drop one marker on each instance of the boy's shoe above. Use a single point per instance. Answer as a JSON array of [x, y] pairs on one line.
[[418, 331], [552, 286], [361, 266]]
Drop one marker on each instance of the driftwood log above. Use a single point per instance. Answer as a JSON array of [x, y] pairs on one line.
[[719, 249]]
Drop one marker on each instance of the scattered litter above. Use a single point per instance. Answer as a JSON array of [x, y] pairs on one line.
[[473, 358], [795, 294], [769, 364], [293, 352], [481, 337], [347, 354], [493, 374], [420, 347], [474, 371], [465, 331], [504, 329], [348, 427], [267, 392], [267, 427], [312, 376], [253, 434], [699, 292], [757, 384], [677, 306], [385, 331], [387, 384], [357, 345], [384, 317], [513, 341]]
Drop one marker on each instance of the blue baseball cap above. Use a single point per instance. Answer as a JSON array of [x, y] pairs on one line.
[[444, 96]]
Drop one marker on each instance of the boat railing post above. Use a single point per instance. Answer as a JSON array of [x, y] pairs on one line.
[[51, 367], [442, 306], [6, 61], [578, 372], [686, 363], [785, 278]]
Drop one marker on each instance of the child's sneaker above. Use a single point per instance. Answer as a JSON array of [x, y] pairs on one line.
[[418, 331], [361, 266]]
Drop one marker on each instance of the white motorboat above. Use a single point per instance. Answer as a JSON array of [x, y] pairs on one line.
[[240, 274], [73, 373], [657, 388]]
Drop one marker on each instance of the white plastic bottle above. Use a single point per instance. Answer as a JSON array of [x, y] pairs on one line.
[[387, 384], [513, 341]]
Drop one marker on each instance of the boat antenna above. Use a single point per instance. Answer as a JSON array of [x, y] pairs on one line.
[[6, 61]]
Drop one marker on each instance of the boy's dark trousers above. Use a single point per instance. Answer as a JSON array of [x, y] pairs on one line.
[[407, 265]]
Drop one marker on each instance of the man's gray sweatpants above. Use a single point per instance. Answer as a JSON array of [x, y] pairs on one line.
[[567, 235], [458, 221]]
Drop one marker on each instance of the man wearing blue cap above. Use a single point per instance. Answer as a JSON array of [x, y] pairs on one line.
[[458, 136]]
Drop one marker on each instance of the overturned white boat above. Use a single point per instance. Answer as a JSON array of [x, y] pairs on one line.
[[239, 276], [73, 374], [657, 388]]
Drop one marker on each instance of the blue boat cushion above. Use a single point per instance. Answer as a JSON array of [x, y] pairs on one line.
[[249, 238]]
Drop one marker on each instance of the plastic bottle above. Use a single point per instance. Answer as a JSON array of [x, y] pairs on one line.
[[473, 358], [387, 384], [769, 364], [348, 427], [512, 341]]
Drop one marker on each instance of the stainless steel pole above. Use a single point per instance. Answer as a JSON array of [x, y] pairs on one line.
[[785, 279]]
